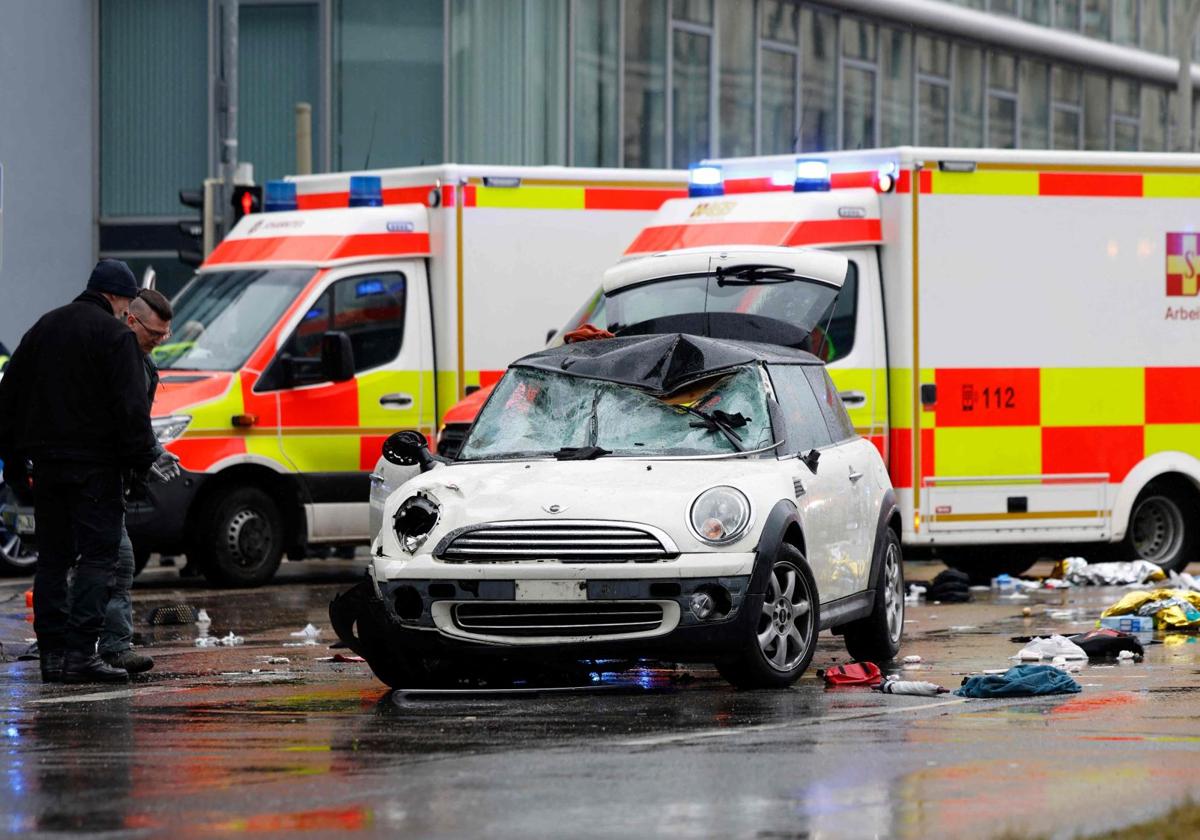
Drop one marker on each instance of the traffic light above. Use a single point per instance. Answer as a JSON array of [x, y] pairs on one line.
[[200, 234], [246, 199]]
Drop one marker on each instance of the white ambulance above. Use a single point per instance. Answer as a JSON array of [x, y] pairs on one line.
[[1019, 334], [361, 304]]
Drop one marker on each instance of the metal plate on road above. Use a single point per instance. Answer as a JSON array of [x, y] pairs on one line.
[[551, 590]]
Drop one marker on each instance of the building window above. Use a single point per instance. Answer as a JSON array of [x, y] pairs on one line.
[[508, 91], [736, 97], [818, 115], [896, 88], [1002, 101], [1067, 14], [1155, 25], [153, 63], [933, 91], [1097, 19], [1154, 119], [645, 84], [858, 89], [597, 83], [967, 126], [1067, 109], [1096, 127], [1036, 11], [1035, 104], [1125, 115], [691, 82], [779, 85]]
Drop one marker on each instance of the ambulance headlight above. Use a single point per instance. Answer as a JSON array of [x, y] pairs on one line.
[[720, 515], [414, 520], [167, 429]]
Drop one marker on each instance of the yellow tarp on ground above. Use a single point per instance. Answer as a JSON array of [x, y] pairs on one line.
[[1172, 617]]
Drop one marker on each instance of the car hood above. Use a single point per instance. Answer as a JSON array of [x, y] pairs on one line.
[[650, 492]]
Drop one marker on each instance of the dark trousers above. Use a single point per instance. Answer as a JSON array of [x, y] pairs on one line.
[[78, 512]]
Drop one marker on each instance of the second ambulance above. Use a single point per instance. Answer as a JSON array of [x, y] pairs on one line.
[[1019, 334]]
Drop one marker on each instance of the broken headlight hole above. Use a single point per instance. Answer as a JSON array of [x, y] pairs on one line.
[[414, 519], [409, 604]]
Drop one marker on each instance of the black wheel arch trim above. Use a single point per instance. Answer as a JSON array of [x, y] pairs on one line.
[[887, 510], [781, 517]]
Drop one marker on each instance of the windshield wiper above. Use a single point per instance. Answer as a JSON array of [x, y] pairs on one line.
[[581, 453], [720, 421], [751, 275]]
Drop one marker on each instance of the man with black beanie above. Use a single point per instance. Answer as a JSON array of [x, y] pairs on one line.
[[73, 400]]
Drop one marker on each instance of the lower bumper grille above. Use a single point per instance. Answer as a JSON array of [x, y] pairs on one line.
[[529, 620]]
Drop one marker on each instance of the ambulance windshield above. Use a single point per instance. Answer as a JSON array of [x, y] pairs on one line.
[[222, 316]]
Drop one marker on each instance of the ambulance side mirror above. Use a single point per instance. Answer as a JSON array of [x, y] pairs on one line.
[[337, 356]]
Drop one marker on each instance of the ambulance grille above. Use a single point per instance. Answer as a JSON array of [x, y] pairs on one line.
[[533, 619], [566, 541]]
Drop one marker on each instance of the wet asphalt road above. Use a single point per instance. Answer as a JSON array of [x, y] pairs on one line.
[[223, 741]]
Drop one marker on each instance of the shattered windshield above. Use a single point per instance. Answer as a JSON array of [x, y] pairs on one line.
[[538, 413], [221, 316]]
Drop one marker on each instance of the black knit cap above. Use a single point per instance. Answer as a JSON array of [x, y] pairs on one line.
[[114, 277]]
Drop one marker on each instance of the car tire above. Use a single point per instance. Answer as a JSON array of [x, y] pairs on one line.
[[241, 539], [783, 637], [1164, 528], [876, 638]]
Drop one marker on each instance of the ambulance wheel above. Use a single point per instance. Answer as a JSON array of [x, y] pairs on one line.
[[1164, 527], [782, 638], [876, 638], [242, 539]]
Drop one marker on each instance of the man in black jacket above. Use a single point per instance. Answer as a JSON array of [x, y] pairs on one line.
[[73, 399]]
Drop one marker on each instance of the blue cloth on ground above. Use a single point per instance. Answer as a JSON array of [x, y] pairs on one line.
[[1019, 681]]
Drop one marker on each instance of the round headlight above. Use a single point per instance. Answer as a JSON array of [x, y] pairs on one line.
[[720, 515]]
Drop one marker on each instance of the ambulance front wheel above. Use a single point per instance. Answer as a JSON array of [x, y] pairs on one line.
[[241, 539]]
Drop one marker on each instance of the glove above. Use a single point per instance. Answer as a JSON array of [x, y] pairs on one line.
[[165, 468]]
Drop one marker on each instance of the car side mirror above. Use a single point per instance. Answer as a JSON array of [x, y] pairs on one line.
[[810, 459], [408, 448], [337, 356]]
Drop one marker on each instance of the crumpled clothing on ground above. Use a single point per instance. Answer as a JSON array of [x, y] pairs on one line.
[[1131, 573], [950, 587], [1019, 681], [1048, 648], [1107, 644], [1181, 610]]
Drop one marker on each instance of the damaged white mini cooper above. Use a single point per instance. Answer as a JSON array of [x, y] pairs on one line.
[[673, 497]]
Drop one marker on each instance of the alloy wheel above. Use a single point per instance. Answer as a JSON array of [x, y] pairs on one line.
[[785, 628]]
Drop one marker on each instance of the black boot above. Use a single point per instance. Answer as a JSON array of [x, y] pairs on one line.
[[130, 660], [87, 667], [51, 662]]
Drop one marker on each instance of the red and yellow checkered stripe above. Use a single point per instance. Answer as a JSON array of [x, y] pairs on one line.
[[1044, 421]]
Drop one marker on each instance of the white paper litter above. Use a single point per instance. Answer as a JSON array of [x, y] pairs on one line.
[[202, 617], [912, 659], [309, 632], [1049, 648], [915, 593]]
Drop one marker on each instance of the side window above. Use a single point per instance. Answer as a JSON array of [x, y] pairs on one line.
[[834, 338], [369, 308], [840, 427], [806, 426]]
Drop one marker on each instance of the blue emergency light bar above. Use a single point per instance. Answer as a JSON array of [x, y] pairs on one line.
[[812, 175], [279, 195], [366, 191], [705, 180]]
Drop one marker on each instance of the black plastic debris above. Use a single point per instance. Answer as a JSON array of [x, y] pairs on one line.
[[173, 614], [950, 587]]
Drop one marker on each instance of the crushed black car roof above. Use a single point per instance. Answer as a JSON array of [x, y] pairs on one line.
[[658, 363]]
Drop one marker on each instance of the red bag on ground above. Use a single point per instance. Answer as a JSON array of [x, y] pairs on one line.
[[856, 673]]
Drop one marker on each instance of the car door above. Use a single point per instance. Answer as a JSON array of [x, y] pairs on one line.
[[819, 489], [854, 459], [332, 432]]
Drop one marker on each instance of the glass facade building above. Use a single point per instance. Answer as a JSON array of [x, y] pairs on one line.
[[645, 83]]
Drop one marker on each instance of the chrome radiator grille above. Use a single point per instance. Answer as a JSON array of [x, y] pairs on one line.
[[586, 541], [530, 619]]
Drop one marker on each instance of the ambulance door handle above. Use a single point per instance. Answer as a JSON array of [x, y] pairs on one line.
[[396, 401], [853, 399]]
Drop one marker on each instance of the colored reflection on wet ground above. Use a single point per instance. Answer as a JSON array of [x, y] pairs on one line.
[[234, 740]]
